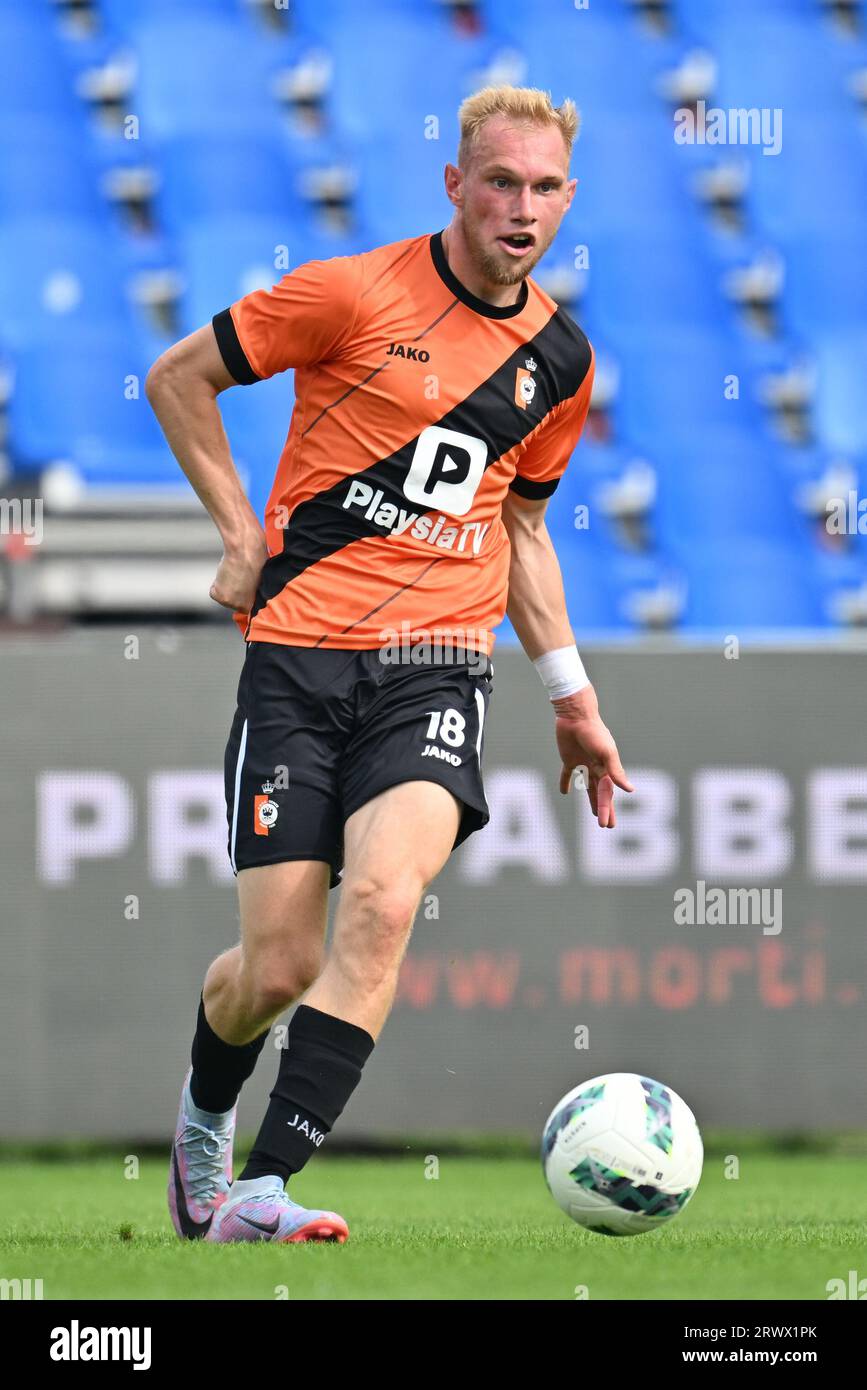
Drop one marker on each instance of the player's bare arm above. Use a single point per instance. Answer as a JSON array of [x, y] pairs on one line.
[[537, 611], [182, 387]]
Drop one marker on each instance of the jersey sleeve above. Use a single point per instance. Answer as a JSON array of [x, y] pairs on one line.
[[301, 320], [544, 461]]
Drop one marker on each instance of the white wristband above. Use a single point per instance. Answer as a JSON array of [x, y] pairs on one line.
[[562, 672]]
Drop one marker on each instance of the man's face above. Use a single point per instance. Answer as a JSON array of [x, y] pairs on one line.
[[516, 185]]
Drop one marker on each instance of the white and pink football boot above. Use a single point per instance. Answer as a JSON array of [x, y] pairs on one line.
[[260, 1209], [201, 1166]]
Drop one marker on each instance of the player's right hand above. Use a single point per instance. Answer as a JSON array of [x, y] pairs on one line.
[[238, 573]]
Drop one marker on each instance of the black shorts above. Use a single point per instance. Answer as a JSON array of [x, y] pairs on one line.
[[320, 731]]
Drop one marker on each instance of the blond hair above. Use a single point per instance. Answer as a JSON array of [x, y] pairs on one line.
[[528, 104]]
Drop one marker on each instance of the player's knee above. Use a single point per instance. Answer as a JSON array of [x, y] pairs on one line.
[[374, 931], [271, 997], [277, 984], [383, 909]]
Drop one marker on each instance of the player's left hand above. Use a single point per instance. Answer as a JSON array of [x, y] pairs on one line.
[[584, 741], [240, 570]]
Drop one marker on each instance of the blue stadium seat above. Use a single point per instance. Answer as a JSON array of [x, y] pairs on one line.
[[674, 385], [322, 19], [780, 53], [817, 185], [126, 20], [843, 566], [591, 467], [735, 587], [592, 462], [48, 170], [825, 288], [840, 407], [204, 76], [600, 56], [35, 78], [376, 95], [401, 189], [57, 274], [634, 181], [81, 399], [590, 587], [708, 14], [724, 486], [652, 285], [218, 175]]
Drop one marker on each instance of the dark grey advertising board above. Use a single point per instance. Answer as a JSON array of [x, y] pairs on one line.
[[714, 940]]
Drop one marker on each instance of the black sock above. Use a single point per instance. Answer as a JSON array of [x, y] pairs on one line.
[[320, 1067], [219, 1068]]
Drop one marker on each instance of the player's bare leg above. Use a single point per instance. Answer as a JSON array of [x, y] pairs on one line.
[[284, 910], [394, 846], [284, 916]]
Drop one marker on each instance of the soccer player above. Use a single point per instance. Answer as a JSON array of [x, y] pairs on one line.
[[439, 395]]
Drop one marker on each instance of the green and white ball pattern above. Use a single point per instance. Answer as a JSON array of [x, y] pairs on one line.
[[622, 1154]]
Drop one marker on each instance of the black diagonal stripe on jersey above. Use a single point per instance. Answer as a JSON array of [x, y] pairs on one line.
[[322, 525]]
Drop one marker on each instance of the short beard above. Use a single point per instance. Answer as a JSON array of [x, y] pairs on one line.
[[492, 269]]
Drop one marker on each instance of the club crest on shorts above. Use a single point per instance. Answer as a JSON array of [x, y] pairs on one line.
[[265, 811]]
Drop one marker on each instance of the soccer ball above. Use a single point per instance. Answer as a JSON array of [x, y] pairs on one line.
[[622, 1154]]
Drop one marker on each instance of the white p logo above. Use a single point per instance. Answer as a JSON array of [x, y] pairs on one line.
[[446, 470]]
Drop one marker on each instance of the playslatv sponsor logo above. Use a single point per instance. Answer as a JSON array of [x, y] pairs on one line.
[[77, 1343], [433, 529]]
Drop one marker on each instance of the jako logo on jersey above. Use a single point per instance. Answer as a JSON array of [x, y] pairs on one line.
[[525, 386], [410, 353], [424, 528], [265, 811], [446, 470]]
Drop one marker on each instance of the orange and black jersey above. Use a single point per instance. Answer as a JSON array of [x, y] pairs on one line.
[[417, 407]]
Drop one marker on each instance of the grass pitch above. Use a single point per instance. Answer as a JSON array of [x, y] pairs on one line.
[[485, 1228]]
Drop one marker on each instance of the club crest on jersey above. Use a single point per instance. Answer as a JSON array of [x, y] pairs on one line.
[[265, 811], [525, 386]]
